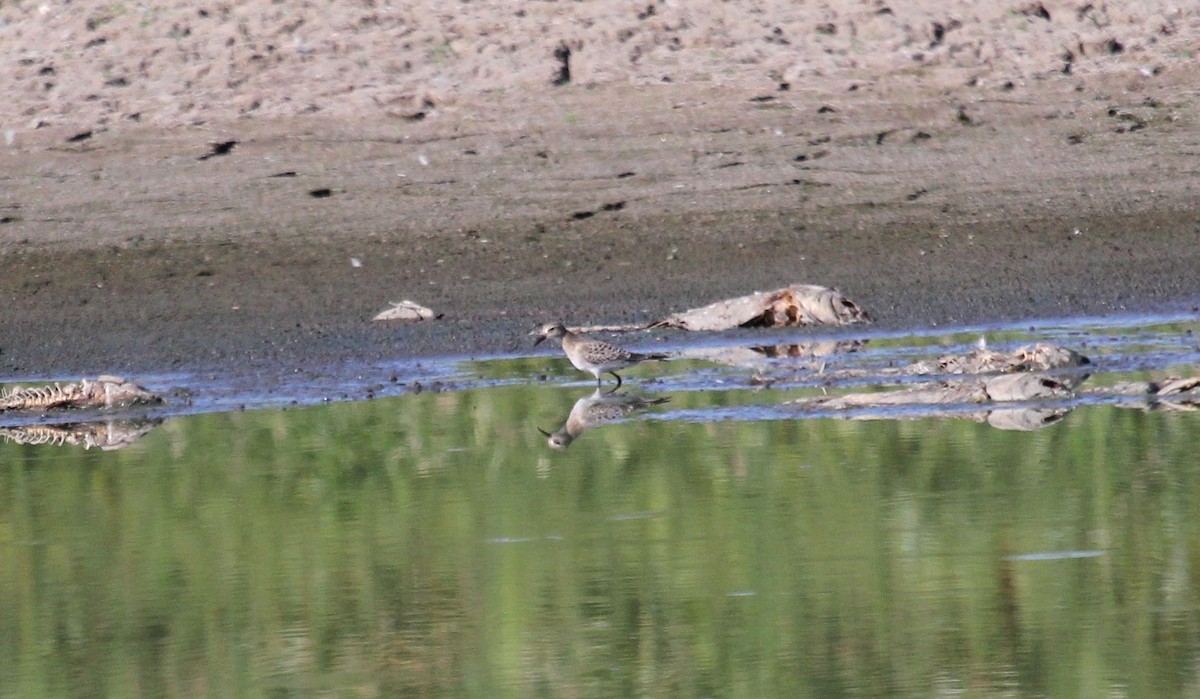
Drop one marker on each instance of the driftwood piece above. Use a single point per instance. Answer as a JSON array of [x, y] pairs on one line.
[[1022, 387], [934, 393], [405, 312], [1172, 393], [101, 392], [105, 435], [980, 362], [795, 305], [940, 396], [997, 389]]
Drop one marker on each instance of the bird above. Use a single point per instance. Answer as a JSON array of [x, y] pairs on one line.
[[594, 410], [593, 356]]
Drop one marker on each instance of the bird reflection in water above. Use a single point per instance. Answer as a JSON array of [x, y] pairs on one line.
[[594, 410]]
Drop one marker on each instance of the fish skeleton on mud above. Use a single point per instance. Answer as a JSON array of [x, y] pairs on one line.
[[101, 392]]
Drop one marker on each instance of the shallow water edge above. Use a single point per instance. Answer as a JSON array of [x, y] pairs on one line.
[[1122, 344]]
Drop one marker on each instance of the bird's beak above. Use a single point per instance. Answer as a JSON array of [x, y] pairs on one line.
[[539, 340], [544, 432]]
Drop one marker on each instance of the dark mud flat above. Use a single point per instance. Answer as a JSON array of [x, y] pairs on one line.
[[128, 253]]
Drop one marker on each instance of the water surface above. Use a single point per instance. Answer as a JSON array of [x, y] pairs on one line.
[[433, 544]]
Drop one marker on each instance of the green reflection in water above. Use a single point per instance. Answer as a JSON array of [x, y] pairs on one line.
[[433, 545]]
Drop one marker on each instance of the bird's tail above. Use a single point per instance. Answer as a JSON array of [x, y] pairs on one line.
[[650, 356]]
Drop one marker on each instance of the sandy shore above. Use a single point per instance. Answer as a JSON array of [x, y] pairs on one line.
[[943, 189]]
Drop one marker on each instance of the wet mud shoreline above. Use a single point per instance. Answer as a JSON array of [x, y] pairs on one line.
[[130, 252]]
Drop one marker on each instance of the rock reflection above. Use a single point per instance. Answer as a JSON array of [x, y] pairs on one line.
[[106, 435], [594, 410]]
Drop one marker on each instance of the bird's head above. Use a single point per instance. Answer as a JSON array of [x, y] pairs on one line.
[[549, 330]]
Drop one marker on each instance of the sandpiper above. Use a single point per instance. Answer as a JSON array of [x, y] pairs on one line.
[[594, 356]]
